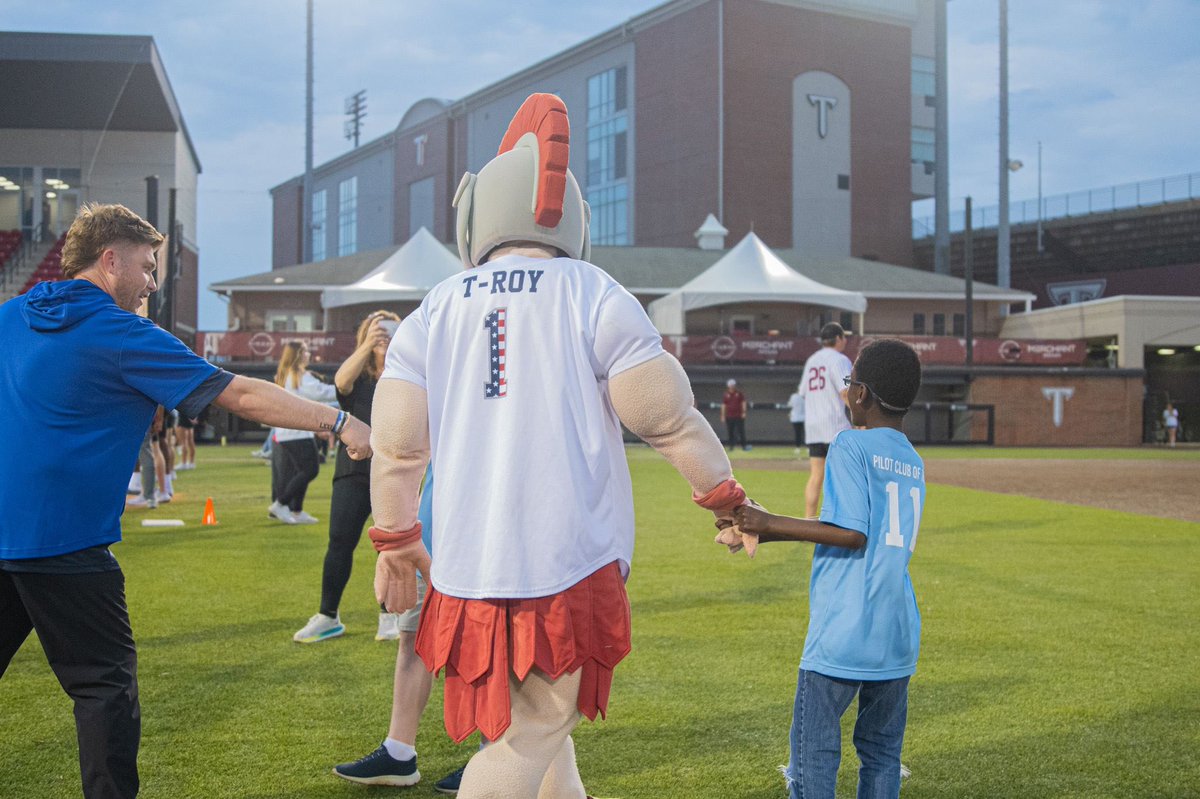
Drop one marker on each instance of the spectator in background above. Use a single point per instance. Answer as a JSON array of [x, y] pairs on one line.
[[80, 377], [294, 455], [795, 405], [350, 504], [186, 433], [733, 414], [1171, 422]]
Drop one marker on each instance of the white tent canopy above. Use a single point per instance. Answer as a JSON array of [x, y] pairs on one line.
[[749, 272], [407, 274]]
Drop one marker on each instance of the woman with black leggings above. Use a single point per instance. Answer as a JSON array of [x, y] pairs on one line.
[[351, 502], [294, 455]]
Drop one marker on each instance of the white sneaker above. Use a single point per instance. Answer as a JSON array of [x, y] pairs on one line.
[[319, 628], [302, 517], [163, 498], [389, 627], [282, 513], [141, 502], [135, 484]]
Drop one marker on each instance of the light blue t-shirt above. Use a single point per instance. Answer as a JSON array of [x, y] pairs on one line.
[[425, 510], [863, 617]]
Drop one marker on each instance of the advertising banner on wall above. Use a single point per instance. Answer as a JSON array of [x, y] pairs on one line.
[[237, 345], [934, 350], [699, 350]]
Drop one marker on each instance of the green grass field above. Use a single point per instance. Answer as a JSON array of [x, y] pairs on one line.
[[1059, 655]]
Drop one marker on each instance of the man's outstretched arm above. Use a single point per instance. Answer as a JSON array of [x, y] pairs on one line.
[[267, 403]]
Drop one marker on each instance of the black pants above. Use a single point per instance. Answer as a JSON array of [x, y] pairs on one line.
[[83, 624], [798, 427], [736, 428], [295, 466], [348, 511]]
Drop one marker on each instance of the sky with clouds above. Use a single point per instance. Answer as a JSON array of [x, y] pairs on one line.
[[1109, 86]]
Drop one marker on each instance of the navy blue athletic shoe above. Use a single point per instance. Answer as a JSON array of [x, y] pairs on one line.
[[449, 784], [380, 768]]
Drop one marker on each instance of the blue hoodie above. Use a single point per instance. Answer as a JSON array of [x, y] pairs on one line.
[[79, 381]]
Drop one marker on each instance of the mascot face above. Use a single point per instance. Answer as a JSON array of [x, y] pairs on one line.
[[526, 193]]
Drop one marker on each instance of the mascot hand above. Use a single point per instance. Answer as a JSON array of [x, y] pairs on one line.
[[734, 538], [396, 576]]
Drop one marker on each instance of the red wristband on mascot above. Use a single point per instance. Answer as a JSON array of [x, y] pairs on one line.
[[385, 540], [725, 497]]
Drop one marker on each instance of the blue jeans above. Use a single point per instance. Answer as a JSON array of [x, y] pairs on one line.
[[816, 735]]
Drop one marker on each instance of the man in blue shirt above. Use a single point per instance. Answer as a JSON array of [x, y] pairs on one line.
[[80, 376], [864, 628]]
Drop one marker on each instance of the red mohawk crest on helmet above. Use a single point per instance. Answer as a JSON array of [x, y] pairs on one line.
[[526, 193], [545, 116]]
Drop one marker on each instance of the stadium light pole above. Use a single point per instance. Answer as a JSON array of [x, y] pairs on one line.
[[969, 278], [306, 202], [1003, 254], [1041, 249], [941, 145]]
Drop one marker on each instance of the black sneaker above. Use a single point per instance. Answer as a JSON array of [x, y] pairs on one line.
[[449, 784], [380, 768]]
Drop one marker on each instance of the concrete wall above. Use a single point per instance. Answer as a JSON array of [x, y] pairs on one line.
[[113, 165]]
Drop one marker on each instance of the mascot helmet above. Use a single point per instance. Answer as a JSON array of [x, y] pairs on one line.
[[525, 193]]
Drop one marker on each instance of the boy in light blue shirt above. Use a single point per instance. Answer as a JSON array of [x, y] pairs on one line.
[[864, 628]]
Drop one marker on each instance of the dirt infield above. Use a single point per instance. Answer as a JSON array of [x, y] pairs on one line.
[[1152, 488]]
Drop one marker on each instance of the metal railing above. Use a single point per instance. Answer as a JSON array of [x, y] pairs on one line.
[[1142, 194]]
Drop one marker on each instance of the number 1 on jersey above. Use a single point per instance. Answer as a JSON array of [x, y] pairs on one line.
[[496, 324], [893, 537]]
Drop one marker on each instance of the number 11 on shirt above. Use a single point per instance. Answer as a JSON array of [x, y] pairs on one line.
[[894, 538]]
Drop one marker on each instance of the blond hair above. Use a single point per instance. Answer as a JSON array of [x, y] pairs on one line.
[[99, 227], [289, 364], [371, 369]]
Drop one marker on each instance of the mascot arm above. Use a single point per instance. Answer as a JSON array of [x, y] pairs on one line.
[[654, 400], [400, 439]]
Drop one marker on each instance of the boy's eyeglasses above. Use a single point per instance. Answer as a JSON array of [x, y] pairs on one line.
[[847, 382]]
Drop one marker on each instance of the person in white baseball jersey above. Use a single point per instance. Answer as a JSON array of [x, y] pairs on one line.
[[515, 378], [824, 407]]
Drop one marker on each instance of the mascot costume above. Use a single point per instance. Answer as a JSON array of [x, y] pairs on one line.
[[514, 378]]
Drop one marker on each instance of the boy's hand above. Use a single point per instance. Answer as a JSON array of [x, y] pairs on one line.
[[734, 538], [751, 518]]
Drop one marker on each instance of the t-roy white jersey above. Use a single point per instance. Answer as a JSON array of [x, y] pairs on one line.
[[822, 387], [532, 490]]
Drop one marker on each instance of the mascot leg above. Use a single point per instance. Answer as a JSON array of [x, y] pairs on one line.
[[535, 755]]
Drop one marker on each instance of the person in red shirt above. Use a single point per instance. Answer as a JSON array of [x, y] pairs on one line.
[[733, 414]]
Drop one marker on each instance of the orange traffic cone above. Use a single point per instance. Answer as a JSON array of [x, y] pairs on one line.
[[210, 516]]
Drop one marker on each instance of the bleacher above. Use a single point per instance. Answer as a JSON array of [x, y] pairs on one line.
[[10, 243], [50, 267]]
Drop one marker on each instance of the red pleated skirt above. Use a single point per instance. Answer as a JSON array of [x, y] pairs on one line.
[[478, 642]]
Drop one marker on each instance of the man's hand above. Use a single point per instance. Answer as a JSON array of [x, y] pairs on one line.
[[356, 436], [396, 576]]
